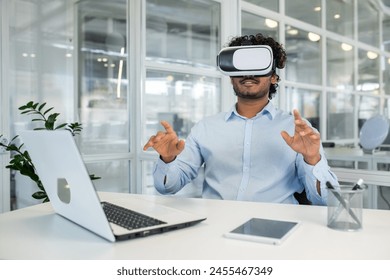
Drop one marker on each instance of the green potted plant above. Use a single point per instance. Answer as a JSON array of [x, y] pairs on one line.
[[20, 159]]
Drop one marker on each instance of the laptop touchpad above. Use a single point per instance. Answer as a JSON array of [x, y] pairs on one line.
[[63, 190]]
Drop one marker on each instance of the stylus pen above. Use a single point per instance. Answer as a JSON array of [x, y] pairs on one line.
[[342, 201], [358, 184]]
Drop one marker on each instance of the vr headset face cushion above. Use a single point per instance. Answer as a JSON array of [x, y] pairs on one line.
[[246, 61]]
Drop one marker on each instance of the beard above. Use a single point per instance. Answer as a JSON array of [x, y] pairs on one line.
[[250, 95], [245, 93]]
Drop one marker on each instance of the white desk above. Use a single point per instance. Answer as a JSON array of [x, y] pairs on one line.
[[37, 233], [358, 156]]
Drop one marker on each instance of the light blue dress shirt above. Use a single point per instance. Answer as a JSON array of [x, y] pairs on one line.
[[245, 159]]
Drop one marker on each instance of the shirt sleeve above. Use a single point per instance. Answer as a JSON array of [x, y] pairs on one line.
[[169, 178], [163, 178], [320, 172]]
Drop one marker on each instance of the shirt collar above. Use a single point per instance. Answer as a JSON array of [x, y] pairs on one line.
[[269, 110]]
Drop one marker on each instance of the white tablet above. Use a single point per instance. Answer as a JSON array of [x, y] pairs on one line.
[[263, 230]]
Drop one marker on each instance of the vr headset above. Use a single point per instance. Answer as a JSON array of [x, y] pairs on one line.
[[251, 60]]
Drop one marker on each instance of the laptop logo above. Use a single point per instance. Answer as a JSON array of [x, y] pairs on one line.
[[63, 190]]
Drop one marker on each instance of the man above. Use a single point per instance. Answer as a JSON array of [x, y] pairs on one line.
[[247, 152]]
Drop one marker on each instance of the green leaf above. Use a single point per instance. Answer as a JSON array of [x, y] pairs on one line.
[[48, 110], [39, 195], [28, 105], [26, 155], [93, 177], [12, 147], [27, 112], [42, 105], [61, 126], [53, 116], [40, 185]]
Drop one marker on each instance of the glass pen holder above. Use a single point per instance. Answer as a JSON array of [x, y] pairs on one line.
[[345, 208]]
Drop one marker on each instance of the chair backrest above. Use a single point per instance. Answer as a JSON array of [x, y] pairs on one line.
[[374, 132], [302, 198]]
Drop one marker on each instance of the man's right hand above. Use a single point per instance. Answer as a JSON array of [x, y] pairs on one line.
[[167, 144]]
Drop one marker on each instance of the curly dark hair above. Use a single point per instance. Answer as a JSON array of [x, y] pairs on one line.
[[279, 52]]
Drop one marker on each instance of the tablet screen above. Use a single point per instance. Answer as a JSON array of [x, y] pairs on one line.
[[265, 228]]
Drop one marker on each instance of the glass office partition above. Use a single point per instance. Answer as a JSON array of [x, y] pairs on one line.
[[307, 102], [340, 116], [40, 58], [115, 175], [181, 99], [386, 32], [303, 56], [306, 11], [39, 68], [253, 24], [368, 71], [386, 111], [182, 84], [368, 23], [340, 65], [386, 75], [340, 17], [268, 4], [103, 83], [368, 107], [183, 32]]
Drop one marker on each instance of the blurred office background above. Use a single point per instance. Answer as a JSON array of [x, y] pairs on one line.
[[120, 67]]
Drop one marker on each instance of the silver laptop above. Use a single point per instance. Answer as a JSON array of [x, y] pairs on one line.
[[72, 194]]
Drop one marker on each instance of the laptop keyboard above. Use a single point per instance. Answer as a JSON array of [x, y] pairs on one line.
[[127, 218]]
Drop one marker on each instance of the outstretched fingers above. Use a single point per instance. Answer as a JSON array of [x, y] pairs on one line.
[[168, 128], [180, 145], [302, 128], [287, 138], [165, 142], [159, 135]]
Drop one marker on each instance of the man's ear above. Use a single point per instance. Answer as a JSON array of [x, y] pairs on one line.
[[274, 79]]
